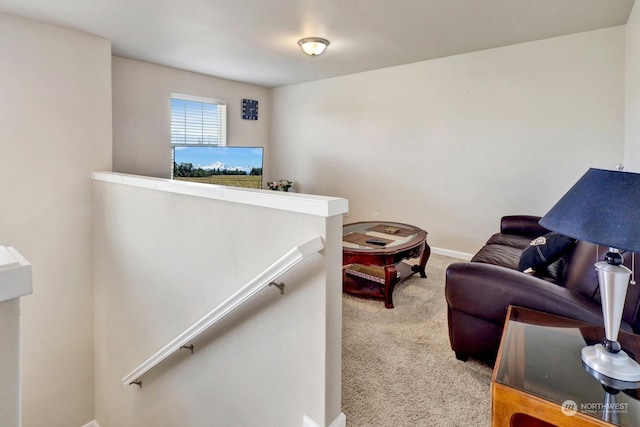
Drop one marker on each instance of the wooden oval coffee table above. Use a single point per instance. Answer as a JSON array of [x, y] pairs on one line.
[[373, 254]]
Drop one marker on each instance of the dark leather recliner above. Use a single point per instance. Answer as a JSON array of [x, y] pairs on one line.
[[479, 292]]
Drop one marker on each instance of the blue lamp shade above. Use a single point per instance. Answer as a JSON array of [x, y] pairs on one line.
[[603, 207]]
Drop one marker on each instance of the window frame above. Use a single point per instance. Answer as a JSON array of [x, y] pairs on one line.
[[220, 127]]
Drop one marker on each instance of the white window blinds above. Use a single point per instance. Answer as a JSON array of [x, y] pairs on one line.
[[198, 121]]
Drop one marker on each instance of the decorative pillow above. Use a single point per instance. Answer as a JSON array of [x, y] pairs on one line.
[[545, 250]]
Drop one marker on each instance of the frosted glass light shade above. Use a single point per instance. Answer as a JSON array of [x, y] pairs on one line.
[[313, 45]]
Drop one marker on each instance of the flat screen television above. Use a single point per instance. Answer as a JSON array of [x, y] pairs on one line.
[[234, 166]]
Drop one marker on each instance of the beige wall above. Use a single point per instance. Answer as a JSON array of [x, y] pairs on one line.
[[142, 113], [55, 128], [632, 91], [452, 144]]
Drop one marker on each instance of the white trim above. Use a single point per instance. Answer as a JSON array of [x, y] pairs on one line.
[[262, 280], [198, 98], [340, 421], [454, 254], [93, 423], [294, 202], [15, 274]]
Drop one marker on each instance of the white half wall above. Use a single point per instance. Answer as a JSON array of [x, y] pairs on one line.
[[55, 128], [10, 363], [632, 91], [163, 259], [452, 144]]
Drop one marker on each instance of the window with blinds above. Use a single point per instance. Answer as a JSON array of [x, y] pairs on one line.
[[198, 121]]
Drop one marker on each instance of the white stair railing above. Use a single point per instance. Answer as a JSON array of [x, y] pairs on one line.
[[262, 280]]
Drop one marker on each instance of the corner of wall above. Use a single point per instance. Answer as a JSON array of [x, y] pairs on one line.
[[632, 91]]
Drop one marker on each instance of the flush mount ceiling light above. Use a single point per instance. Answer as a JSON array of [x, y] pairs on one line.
[[313, 45]]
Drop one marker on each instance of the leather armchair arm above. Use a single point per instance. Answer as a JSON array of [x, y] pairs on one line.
[[522, 225], [485, 291]]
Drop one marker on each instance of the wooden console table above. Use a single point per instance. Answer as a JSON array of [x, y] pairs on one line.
[[539, 379], [367, 245]]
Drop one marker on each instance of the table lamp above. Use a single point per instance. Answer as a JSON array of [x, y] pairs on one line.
[[603, 207]]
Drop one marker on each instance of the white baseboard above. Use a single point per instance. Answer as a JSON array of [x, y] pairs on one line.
[[340, 421], [454, 254]]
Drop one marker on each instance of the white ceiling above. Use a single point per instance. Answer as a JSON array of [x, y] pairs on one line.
[[255, 41]]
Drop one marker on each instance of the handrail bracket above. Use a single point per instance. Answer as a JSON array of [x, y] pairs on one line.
[[279, 286]]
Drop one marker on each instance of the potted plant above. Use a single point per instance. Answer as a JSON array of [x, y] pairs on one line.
[[280, 185]]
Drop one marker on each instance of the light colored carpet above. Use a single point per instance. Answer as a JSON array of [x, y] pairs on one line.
[[398, 368]]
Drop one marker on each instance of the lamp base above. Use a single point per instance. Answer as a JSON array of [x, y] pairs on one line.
[[618, 366]]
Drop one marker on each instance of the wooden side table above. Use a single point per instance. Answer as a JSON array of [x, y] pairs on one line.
[[396, 242], [539, 379]]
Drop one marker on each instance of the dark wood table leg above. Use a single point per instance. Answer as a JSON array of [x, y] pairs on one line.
[[420, 268], [390, 280]]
